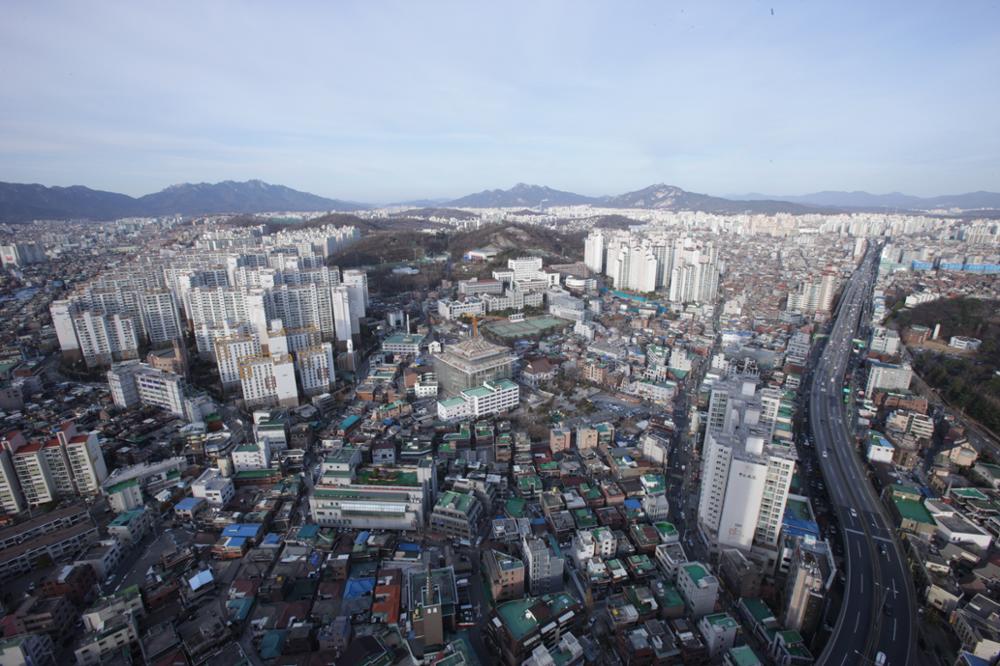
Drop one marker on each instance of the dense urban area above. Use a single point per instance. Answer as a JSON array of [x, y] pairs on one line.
[[544, 435]]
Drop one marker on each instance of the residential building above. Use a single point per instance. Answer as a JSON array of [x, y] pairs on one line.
[[133, 383], [269, 381], [699, 588], [505, 575], [545, 570], [457, 515], [213, 487], [809, 579]]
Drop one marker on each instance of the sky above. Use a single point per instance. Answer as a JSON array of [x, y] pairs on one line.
[[382, 101]]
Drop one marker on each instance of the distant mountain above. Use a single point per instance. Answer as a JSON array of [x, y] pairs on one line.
[[522, 195], [858, 199], [19, 203], [252, 196], [669, 197]]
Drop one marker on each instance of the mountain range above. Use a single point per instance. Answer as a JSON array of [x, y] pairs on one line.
[[856, 199], [523, 195], [24, 202]]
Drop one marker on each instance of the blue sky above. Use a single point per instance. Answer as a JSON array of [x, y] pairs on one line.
[[381, 101]]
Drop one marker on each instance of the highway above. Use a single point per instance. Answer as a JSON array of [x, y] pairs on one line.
[[877, 611]]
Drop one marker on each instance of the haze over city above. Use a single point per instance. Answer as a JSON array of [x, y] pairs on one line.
[[390, 102]]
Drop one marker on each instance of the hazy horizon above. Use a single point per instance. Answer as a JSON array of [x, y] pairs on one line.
[[392, 102]]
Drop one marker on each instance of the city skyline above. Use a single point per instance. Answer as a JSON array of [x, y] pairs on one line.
[[443, 101]]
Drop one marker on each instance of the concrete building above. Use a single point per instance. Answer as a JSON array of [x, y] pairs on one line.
[[505, 575], [719, 631], [699, 588], [809, 579], [214, 488], [457, 515], [315, 368], [471, 363], [268, 381], [887, 376], [27, 649], [745, 473], [545, 570], [134, 383], [349, 494]]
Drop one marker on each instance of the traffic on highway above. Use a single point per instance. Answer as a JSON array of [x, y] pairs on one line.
[[875, 624]]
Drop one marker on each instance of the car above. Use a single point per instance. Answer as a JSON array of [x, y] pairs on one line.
[[887, 609], [881, 659], [854, 514], [826, 453]]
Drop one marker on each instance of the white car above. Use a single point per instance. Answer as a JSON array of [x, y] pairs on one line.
[[854, 514], [826, 454]]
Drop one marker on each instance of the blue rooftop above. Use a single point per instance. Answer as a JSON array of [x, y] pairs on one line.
[[244, 530], [189, 504], [358, 587]]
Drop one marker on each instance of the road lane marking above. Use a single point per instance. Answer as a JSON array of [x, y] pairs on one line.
[[894, 630]]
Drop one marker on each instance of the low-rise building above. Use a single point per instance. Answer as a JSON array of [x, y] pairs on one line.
[[214, 488], [699, 588], [457, 514], [505, 575]]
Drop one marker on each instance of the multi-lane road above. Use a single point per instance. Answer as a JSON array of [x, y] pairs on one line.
[[876, 618]]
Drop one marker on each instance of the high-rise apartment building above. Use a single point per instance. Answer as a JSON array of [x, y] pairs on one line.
[[593, 251], [134, 383], [268, 381], [315, 367], [160, 318], [745, 473]]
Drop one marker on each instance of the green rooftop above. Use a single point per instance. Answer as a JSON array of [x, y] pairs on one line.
[[123, 519], [724, 620], [517, 617], [124, 485], [514, 507], [743, 655], [358, 494], [969, 493], [452, 501], [759, 610], [665, 529], [913, 510]]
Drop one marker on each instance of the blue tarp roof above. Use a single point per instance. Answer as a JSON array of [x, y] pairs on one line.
[[358, 587], [271, 539], [409, 547], [361, 538], [633, 503]]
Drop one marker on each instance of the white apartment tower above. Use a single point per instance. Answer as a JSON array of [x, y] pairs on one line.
[[315, 366], [593, 251], [160, 317], [745, 475], [229, 352], [269, 381]]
